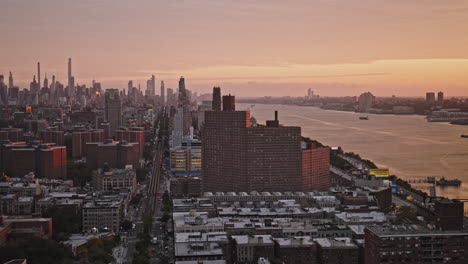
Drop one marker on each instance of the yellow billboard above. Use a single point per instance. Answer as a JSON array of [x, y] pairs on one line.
[[379, 172]]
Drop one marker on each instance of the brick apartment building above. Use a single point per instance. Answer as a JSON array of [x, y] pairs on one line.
[[45, 160], [52, 135], [116, 154], [315, 168], [81, 137], [410, 244], [133, 135], [239, 157], [11, 134]]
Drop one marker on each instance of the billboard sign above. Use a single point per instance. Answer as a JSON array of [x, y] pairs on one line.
[[379, 172]]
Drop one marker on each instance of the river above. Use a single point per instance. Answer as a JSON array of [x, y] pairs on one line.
[[408, 145]]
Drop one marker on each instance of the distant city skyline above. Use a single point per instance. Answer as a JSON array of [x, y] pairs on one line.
[[248, 48]]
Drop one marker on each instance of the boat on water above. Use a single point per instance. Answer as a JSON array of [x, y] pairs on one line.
[[462, 122], [464, 136], [445, 182], [364, 118]]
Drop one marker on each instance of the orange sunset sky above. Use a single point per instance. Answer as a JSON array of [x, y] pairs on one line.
[[248, 47]]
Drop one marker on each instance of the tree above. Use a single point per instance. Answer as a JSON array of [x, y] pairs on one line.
[[79, 173], [66, 221], [98, 250], [406, 214], [36, 251], [141, 174], [126, 225], [136, 199]]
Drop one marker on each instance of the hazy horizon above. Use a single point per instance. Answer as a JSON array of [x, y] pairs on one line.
[[250, 49]]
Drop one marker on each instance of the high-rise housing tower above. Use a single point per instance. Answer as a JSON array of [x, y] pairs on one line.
[[113, 110], [216, 103], [238, 157]]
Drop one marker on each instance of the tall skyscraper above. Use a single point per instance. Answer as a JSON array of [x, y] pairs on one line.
[[440, 98], [46, 82], [130, 90], [3, 91], [365, 102], [216, 103], [182, 85], [238, 157], [39, 74], [71, 79], [229, 103], [178, 132], [10, 81], [148, 87], [52, 85], [153, 85], [170, 97], [163, 91], [430, 98], [130, 85], [33, 86], [113, 110], [184, 100]]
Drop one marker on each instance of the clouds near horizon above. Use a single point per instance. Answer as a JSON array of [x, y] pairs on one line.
[[389, 47]]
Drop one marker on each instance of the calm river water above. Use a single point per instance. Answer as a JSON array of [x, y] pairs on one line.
[[408, 145]]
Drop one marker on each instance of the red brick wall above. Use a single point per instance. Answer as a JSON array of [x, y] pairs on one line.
[[316, 169]]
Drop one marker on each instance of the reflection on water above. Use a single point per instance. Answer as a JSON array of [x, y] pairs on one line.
[[409, 145]]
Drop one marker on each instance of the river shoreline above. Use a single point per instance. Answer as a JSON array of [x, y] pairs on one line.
[[409, 146]]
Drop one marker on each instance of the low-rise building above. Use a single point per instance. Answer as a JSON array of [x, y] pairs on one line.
[[186, 186], [200, 246], [13, 204], [114, 179], [102, 215], [345, 218], [414, 244], [297, 250], [337, 250], [113, 154], [247, 249], [186, 159]]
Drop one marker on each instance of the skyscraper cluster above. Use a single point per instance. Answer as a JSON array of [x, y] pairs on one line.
[[45, 92], [431, 99]]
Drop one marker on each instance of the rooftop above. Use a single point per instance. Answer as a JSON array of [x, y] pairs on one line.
[[412, 230], [340, 242], [295, 241], [253, 239]]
